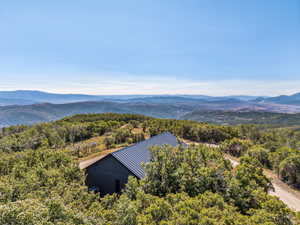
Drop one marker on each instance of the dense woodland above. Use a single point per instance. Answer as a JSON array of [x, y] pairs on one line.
[[41, 183]]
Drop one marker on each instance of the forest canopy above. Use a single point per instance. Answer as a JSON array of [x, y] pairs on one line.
[[41, 183]]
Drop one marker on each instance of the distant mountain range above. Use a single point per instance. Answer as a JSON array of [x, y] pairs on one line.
[[28, 107], [30, 97], [26, 97], [282, 99], [15, 101], [29, 114]]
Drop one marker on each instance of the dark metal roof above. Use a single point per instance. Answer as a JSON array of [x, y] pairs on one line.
[[132, 157]]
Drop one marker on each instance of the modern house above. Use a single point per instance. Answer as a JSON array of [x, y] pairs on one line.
[[109, 173]]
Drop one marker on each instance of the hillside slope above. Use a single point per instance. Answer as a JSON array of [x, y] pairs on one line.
[[29, 114], [244, 117], [25, 97], [161, 107], [43, 97], [283, 99], [15, 101]]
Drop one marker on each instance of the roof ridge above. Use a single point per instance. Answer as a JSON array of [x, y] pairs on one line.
[[139, 152], [146, 140]]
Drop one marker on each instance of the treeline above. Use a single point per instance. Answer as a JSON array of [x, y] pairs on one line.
[[194, 131], [81, 127], [53, 135], [60, 133], [106, 117]]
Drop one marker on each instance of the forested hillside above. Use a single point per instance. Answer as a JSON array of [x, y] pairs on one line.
[[220, 111], [244, 117], [30, 114], [41, 183], [285, 99]]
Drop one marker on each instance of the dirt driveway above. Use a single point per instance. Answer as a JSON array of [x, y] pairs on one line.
[[285, 193]]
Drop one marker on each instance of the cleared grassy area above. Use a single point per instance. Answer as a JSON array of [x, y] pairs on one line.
[[98, 145], [102, 152]]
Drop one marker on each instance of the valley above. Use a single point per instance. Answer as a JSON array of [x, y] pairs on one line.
[[219, 110]]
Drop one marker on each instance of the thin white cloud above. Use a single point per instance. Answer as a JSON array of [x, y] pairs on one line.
[[111, 85]]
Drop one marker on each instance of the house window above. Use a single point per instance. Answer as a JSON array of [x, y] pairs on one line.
[[118, 186]]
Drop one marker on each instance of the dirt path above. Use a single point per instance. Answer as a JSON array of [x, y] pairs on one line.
[[86, 163], [284, 192], [289, 197]]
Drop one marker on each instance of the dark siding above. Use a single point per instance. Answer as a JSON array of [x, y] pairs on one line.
[[111, 173], [107, 174]]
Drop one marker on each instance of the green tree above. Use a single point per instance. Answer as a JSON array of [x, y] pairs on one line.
[[236, 147]]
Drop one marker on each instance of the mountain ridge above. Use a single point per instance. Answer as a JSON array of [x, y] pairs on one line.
[[26, 97], [34, 96], [44, 112], [293, 99], [43, 107]]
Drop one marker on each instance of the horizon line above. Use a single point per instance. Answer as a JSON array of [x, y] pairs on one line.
[[141, 94]]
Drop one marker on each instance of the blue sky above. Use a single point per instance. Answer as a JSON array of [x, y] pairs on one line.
[[215, 47]]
